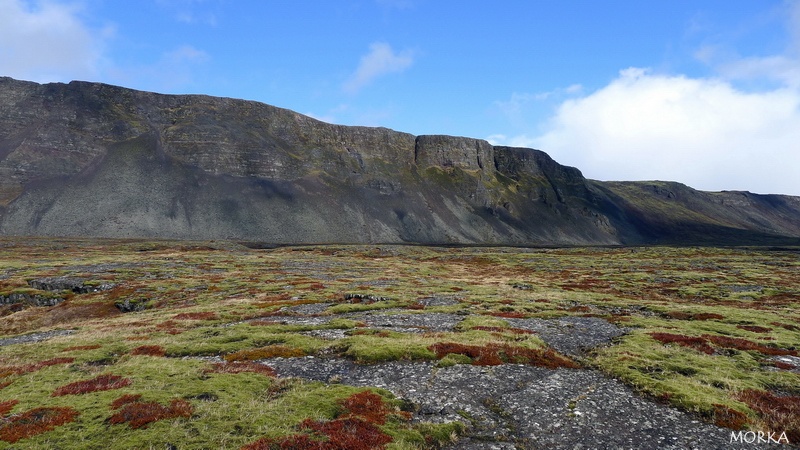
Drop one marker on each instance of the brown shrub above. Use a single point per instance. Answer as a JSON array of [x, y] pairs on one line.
[[707, 316], [352, 433], [242, 366], [35, 421], [140, 415], [355, 429], [5, 384], [293, 442], [786, 326], [125, 399], [744, 344], [149, 350], [81, 347], [728, 418], [696, 343], [368, 406], [271, 351], [7, 406], [71, 312], [100, 383], [680, 315], [754, 328], [30, 368], [779, 413], [783, 365]]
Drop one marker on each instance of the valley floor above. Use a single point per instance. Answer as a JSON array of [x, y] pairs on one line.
[[134, 344]]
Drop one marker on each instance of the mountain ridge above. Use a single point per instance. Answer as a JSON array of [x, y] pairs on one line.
[[95, 160]]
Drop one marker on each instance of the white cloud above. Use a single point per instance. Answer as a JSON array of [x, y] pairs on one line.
[[737, 129], [381, 60], [47, 41], [700, 131]]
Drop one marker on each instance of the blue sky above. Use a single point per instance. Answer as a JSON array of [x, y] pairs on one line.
[[698, 91]]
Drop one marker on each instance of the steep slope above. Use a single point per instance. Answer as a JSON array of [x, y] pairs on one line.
[[88, 159]]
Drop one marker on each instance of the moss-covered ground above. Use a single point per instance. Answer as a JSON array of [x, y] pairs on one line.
[[707, 328]]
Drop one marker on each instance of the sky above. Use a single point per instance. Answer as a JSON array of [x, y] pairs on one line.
[[703, 92]]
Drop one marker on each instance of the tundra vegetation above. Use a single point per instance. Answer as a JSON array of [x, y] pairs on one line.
[[166, 348]]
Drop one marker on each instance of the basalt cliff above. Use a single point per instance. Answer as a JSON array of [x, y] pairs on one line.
[[94, 160]]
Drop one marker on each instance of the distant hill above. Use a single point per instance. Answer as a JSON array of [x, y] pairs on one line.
[[94, 160]]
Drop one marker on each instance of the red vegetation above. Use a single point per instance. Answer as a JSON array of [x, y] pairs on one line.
[[680, 315], [754, 328], [272, 351], [496, 354], [100, 383], [783, 365], [356, 429], [729, 418], [779, 413], [5, 384], [140, 414], [787, 326], [29, 368], [81, 347], [242, 366], [35, 421], [702, 343], [170, 327], [149, 350], [368, 406], [744, 344], [124, 400], [707, 316], [699, 344], [208, 315], [352, 433], [7, 406]]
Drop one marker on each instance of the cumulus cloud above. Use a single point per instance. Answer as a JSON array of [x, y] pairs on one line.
[[736, 129], [47, 41], [381, 60], [700, 131]]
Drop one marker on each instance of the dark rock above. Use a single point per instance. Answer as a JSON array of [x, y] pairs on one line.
[[76, 285], [32, 299], [199, 167], [132, 305], [364, 298]]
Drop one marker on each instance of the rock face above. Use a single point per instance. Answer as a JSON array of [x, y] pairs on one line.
[[88, 159]]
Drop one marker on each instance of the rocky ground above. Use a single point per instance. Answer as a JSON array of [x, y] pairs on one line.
[[514, 406]]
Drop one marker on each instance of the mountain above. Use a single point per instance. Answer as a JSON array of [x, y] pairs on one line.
[[94, 160]]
